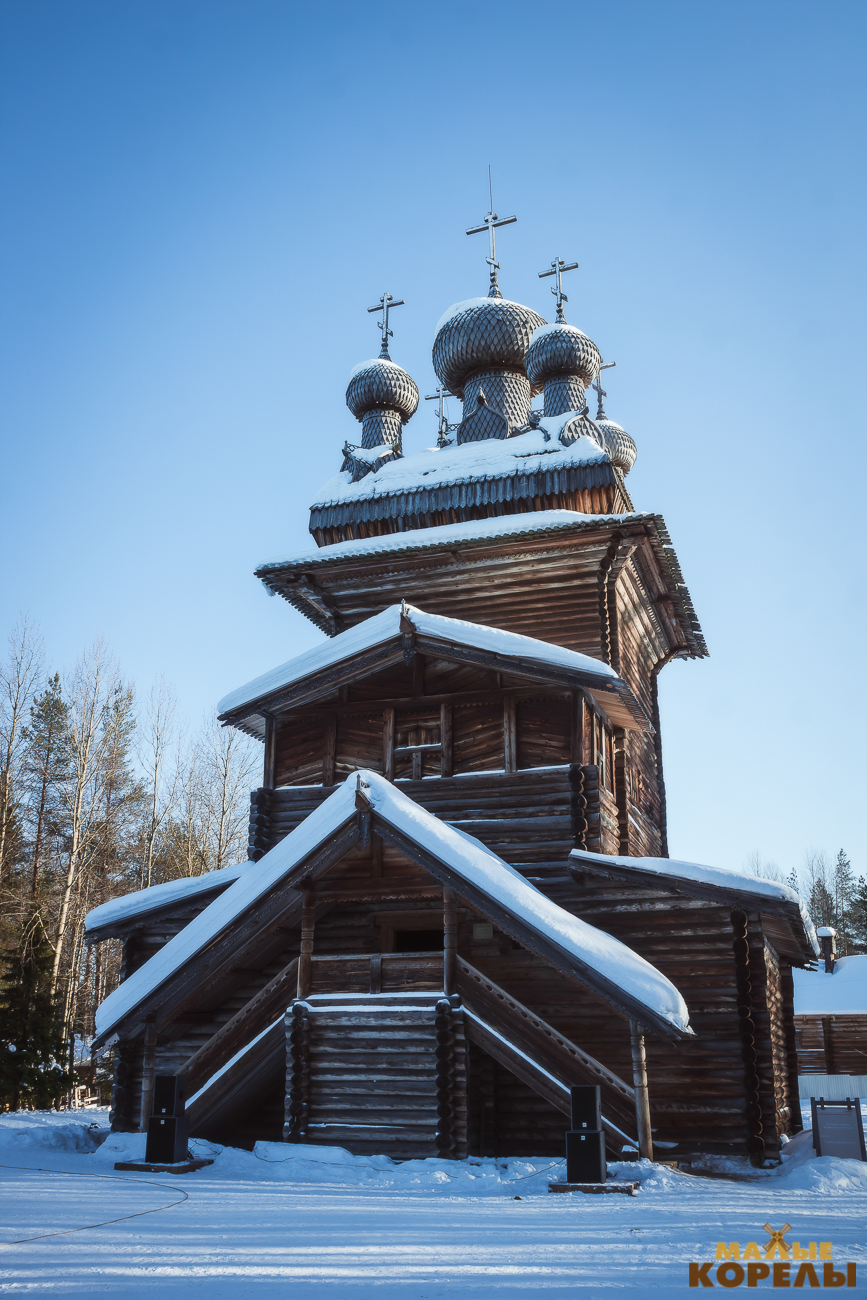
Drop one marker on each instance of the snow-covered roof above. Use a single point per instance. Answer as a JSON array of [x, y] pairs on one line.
[[733, 883], [535, 521], [601, 961], [142, 902], [386, 626], [843, 993], [525, 454], [252, 885]]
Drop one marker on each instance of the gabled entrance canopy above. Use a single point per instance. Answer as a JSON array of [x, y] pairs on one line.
[[400, 632], [269, 898]]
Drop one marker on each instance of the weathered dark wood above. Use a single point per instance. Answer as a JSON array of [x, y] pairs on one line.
[[270, 753], [329, 755], [449, 941]]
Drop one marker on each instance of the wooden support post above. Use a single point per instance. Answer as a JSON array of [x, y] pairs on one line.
[[388, 743], [305, 961], [576, 729], [417, 768], [269, 775], [450, 941], [639, 1082], [446, 743], [828, 1044], [148, 1072], [329, 758], [510, 738]]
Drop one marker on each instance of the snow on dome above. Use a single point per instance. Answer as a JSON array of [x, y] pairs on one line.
[[619, 445], [379, 384], [561, 349], [482, 334]]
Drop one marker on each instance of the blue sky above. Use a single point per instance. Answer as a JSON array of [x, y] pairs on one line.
[[200, 200]]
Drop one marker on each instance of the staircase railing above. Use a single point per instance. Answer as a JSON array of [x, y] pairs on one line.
[[537, 1053]]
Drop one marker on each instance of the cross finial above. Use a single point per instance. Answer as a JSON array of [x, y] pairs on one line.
[[385, 305], [440, 396], [600, 391], [558, 266], [490, 223]]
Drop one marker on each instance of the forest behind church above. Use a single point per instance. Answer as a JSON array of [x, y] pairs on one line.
[[104, 790]]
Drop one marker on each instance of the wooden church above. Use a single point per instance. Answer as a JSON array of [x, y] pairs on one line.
[[458, 900]]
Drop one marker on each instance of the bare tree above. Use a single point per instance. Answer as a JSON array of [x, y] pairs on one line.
[[229, 765], [162, 776], [756, 865], [20, 677]]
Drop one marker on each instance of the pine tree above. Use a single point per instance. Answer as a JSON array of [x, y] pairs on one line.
[[47, 767], [32, 1049], [844, 893], [858, 917]]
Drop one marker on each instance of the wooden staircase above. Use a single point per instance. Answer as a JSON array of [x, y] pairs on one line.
[[377, 1073]]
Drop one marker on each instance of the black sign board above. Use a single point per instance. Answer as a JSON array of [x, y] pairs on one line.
[[838, 1129]]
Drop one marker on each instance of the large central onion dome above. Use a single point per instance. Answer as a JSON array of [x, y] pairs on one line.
[[383, 397], [479, 353], [563, 361]]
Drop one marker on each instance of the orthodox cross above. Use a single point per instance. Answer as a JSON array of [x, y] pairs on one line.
[[558, 266], [490, 224], [599, 390], [440, 396], [385, 305]]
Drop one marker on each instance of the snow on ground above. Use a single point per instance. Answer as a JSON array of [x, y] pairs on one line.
[[318, 1222]]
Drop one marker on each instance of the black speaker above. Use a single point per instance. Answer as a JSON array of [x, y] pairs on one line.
[[167, 1140], [585, 1157], [587, 1107], [169, 1095]]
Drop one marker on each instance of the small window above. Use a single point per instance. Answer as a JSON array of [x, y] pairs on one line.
[[483, 931]]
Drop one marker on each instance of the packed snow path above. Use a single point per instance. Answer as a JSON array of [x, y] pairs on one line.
[[323, 1223]]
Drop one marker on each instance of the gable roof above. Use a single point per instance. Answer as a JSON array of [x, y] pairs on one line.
[[402, 630], [604, 965], [713, 884]]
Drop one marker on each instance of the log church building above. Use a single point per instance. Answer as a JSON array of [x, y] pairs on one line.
[[458, 900]]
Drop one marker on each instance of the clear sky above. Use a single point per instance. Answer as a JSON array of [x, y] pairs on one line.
[[202, 197]]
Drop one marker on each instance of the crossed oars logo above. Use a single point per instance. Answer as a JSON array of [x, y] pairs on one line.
[[776, 1242]]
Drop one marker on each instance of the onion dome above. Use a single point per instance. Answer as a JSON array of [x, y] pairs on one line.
[[615, 441], [619, 445], [479, 349], [563, 361], [383, 397]]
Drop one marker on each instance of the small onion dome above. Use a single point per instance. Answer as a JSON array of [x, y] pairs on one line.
[[482, 334], [619, 445], [561, 349], [381, 385]]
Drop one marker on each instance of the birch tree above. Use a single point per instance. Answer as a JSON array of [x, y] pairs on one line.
[[92, 698]]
